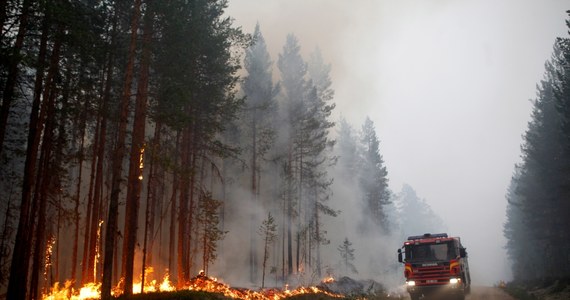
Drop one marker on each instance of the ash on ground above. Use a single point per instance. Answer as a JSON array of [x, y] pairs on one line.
[[354, 288]]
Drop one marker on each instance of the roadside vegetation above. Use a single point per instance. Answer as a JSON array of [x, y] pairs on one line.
[[544, 289]]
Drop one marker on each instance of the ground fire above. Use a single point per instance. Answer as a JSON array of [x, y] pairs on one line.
[[199, 283]]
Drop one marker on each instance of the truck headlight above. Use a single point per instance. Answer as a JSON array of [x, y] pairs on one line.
[[454, 280], [411, 283]]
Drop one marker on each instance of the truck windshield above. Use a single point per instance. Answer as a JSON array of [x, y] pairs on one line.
[[430, 252]]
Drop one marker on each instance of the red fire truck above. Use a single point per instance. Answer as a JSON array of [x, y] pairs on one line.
[[435, 265]]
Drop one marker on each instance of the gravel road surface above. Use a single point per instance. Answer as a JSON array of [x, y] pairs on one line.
[[490, 293]]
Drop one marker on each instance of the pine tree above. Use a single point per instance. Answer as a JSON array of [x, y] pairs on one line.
[[268, 232], [373, 178], [416, 216], [209, 220], [347, 255], [293, 69], [196, 65], [537, 207], [260, 111], [347, 151]]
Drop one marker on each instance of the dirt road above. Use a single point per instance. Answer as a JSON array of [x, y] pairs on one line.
[[485, 292]]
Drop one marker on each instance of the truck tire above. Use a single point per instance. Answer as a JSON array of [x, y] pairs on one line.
[[415, 296]]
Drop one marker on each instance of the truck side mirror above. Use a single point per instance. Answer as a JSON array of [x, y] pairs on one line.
[[462, 252], [399, 255]]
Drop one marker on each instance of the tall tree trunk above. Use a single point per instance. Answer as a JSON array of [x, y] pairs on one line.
[[289, 213], [94, 208], [117, 163], [5, 237], [44, 182], [183, 233], [82, 124], [284, 229], [317, 238], [172, 229], [299, 212], [77, 198], [59, 157], [136, 160], [90, 198], [43, 174], [8, 97], [150, 206], [192, 205], [17, 285], [94, 215], [153, 199], [253, 221], [173, 209]]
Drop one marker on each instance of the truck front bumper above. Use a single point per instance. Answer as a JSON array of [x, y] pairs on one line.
[[452, 286]]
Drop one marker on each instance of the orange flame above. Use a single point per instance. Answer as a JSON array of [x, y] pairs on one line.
[[198, 283]]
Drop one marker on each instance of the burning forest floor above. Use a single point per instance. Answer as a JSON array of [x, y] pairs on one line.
[[203, 287]]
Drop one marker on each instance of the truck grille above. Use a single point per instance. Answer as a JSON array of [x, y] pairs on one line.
[[431, 275]]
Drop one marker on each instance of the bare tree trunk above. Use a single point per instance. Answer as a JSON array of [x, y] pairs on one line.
[[20, 258], [289, 213], [117, 164], [44, 182], [173, 209], [253, 221], [153, 200], [173, 206], [94, 215], [192, 205], [57, 184], [6, 233], [299, 212], [284, 229], [90, 198], [172, 230], [76, 215], [317, 239], [183, 233], [43, 176], [136, 161]]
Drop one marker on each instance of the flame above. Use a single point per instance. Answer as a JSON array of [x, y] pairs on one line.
[[97, 250], [48, 256], [199, 283], [88, 291], [328, 279], [141, 162], [166, 285]]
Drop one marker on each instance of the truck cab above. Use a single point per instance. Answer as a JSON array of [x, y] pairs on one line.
[[435, 265]]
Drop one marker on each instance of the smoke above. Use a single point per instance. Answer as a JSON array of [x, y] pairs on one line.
[[446, 84]]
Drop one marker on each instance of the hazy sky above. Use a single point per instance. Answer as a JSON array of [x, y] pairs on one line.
[[447, 84]]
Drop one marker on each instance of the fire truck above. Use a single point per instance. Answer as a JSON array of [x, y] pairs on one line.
[[435, 265]]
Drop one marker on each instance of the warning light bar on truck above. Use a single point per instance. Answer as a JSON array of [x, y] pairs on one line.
[[427, 235]]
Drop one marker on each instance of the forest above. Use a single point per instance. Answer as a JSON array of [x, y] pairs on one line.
[[143, 138], [538, 210]]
